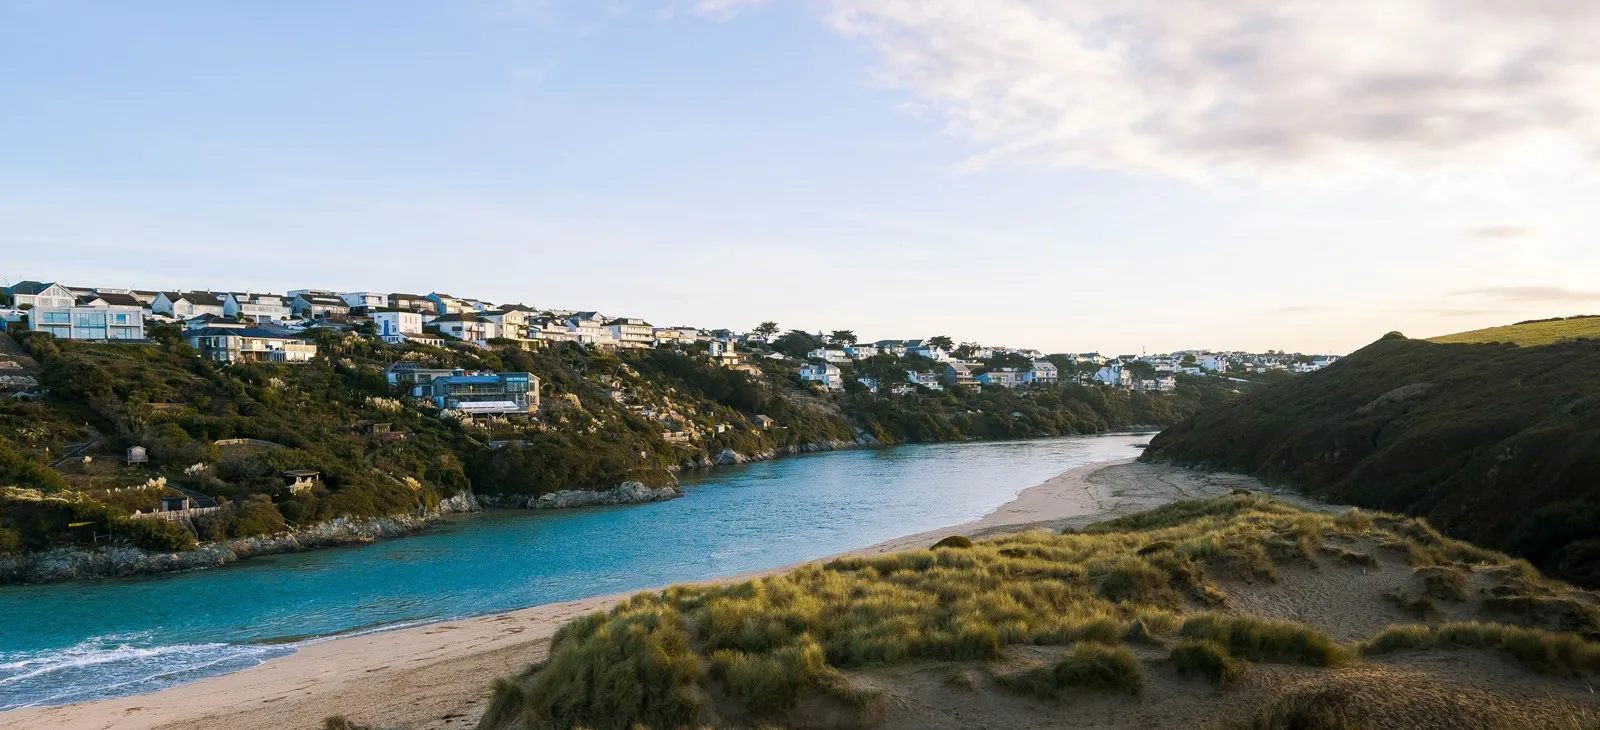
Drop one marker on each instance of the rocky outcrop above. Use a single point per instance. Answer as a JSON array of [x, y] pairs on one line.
[[71, 563], [625, 493], [729, 457]]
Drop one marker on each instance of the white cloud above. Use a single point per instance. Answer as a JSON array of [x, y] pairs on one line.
[[724, 9], [1249, 89]]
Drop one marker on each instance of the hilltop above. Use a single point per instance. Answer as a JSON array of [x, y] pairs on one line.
[[1494, 443], [1531, 333], [1237, 611], [391, 462]]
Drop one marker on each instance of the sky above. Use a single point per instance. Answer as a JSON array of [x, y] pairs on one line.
[[1142, 175]]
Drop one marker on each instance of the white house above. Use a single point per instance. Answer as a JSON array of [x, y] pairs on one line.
[[188, 305], [926, 379], [722, 353], [891, 347], [248, 344], [1213, 363], [629, 332], [513, 320], [34, 294], [394, 326], [446, 304], [824, 373], [835, 357], [365, 300], [115, 298], [89, 323], [319, 306], [1043, 372], [861, 352], [257, 307], [467, 327], [590, 328], [1114, 375]]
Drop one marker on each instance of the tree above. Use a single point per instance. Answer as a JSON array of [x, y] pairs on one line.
[[767, 329], [796, 343], [1142, 370], [942, 342], [847, 337]]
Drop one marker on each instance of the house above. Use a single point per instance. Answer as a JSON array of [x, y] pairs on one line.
[[320, 306], [212, 320], [764, 423], [959, 373], [1043, 372], [1165, 384], [487, 394], [1214, 363], [419, 338], [467, 327], [826, 374], [1114, 375], [110, 323], [248, 344], [298, 481], [415, 379], [114, 298], [891, 347], [1004, 378], [549, 328], [34, 294], [722, 353], [365, 301], [927, 379], [590, 328], [409, 302], [931, 352], [393, 326], [258, 308], [446, 304], [187, 305], [632, 333], [668, 335], [836, 357], [511, 320], [861, 352]]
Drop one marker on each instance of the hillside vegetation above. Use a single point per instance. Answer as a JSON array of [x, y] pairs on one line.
[[604, 421], [1235, 611], [1530, 334], [1494, 443]]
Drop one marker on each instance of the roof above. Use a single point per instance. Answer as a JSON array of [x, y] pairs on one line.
[[195, 297], [459, 318], [255, 332], [319, 299], [398, 295], [119, 300], [29, 287]]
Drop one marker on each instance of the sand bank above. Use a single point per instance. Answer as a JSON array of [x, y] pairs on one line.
[[438, 676]]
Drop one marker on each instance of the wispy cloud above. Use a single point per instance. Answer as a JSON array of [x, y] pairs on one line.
[[1248, 89], [724, 9], [1503, 232], [1530, 294]]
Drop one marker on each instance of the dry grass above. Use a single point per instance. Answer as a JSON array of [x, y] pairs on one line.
[[1530, 334], [696, 655], [1542, 651]]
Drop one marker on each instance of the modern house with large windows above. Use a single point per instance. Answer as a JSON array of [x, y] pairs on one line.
[[258, 308], [36, 294], [248, 344], [89, 323], [487, 394]]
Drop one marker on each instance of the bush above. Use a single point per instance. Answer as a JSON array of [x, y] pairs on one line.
[[1266, 640], [1208, 659], [154, 535], [954, 541], [772, 682], [256, 516], [1542, 651], [1090, 665], [10, 541]]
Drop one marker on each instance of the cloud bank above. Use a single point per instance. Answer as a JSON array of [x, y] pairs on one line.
[[1248, 89]]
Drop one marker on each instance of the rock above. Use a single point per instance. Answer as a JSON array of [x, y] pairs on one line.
[[624, 493], [728, 457]]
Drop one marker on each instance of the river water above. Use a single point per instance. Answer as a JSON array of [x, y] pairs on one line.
[[86, 640]]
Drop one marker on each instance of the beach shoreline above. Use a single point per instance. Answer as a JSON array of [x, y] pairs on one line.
[[438, 675]]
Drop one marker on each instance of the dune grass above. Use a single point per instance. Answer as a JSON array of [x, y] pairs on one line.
[[1529, 334], [1090, 666], [1542, 651], [695, 655]]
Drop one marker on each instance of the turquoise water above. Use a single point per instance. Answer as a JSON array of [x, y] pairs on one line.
[[95, 639]]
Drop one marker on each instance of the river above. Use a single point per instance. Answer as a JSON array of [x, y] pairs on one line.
[[71, 642]]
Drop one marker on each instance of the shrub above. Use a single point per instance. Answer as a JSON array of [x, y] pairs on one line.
[[954, 541], [155, 535], [1445, 583], [1537, 649], [771, 682], [256, 516], [1266, 640], [1208, 659], [1090, 665]]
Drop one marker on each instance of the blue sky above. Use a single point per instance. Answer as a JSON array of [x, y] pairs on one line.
[[1015, 172]]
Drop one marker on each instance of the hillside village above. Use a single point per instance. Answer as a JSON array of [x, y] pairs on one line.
[[262, 327]]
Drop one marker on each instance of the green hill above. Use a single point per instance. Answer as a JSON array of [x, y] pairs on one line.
[[1528, 334], [1494, 443]]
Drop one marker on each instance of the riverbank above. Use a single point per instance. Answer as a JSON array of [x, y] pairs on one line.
[[438, 675]]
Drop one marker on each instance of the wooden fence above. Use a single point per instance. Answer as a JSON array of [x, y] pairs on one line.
[[174, 515]]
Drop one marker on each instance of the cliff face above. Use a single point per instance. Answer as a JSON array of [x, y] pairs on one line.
[[70, 563], [1495, 444]]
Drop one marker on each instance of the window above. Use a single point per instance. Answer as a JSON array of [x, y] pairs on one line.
[[55, 317]]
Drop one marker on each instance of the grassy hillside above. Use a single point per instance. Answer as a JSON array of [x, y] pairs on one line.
[[1494, 443], [1529, 334], [1178, 617], [604, 421]]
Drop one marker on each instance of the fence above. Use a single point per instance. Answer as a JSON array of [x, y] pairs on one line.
[[174, 515], [250, 442]]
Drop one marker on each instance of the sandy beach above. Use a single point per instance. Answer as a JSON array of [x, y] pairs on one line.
[[439, 675]]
